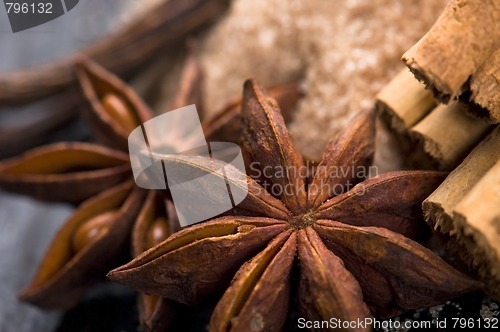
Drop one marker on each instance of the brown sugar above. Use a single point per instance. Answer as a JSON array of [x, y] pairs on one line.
[[343, 53]]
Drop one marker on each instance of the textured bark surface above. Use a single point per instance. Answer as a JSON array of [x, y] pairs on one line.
[[404, 101], [466, 207], [430, 136], [485, 86], [461, 53]]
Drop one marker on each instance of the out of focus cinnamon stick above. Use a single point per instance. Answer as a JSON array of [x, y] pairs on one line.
[[430, 136]]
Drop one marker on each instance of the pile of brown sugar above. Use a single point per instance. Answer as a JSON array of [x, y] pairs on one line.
[[342, 52]]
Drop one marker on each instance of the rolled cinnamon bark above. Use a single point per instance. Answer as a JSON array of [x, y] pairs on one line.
[[404, 101], [461, 53], [466, 207], [485, 87], [446, 135], [430, 137]]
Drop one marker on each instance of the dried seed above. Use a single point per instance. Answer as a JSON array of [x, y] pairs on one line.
[[258, 297], [64, 274], [89, 231], [158, 232], [119, 111], [151, 228], [200, 259], [110, 123]]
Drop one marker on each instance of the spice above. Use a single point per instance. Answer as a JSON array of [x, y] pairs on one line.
[[460, 56], [82, 250], [465, 208], [431, 136], [361, 239], [226, 125], [404, 101], [99, 179], [156, 221]]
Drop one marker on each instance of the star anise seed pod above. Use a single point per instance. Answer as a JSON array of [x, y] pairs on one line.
[[155, 222], [98, 177], [353, 250]]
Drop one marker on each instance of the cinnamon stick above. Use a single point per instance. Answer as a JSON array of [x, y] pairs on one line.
[[446, 135], [484, 86], [466, 207], [460, 53], [404, 101], [431, 137]]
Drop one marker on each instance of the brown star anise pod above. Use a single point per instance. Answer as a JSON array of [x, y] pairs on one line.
[[112, 212], [353, 250], [98, 178]]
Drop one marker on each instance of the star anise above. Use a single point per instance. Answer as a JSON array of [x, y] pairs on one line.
[[353, 249], [98, 178]]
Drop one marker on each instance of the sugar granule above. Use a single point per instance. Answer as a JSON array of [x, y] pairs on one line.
[[342, 52]]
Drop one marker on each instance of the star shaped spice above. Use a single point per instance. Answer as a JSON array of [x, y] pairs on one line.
[[98, 178], [353, 250], [112, 211]]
